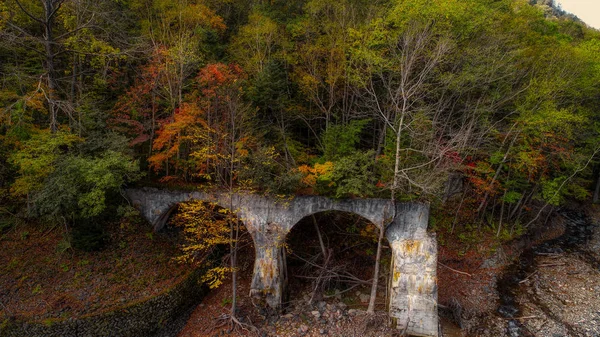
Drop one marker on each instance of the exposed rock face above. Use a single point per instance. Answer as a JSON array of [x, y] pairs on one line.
[[413, 303]]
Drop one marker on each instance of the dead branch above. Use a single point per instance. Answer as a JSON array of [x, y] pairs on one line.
[[323, 249], [341, 272], [551, 264], [343, 291], [334, 275], [522, 317], [530, 275], [319, 279], [454, 270]]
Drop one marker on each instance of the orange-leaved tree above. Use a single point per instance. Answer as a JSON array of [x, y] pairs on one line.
[[201, 139]]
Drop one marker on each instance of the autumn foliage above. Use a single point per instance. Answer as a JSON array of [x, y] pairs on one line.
[[195, 140], [494, 107], [206, 228]]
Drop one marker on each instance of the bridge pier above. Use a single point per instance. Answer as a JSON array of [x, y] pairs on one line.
[[413, 283], [413, 300], [270, 273]]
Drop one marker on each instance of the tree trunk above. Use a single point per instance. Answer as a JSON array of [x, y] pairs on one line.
[[52, 108], [50, 10], [491, 184], [371, 308], [234, 241], [597, 190], [321, 243], [380, 141], [153, 125], [235, 233], [73, 78], [501, 215]]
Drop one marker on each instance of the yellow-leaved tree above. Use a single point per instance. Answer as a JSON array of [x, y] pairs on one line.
[[206, 231]]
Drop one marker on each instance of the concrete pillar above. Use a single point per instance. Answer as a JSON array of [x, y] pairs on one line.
[[413, 284], [269, 278], [413, 302]]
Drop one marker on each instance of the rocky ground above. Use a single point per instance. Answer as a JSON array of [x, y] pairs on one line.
[[559, 297], [334, 316], [562, 298]]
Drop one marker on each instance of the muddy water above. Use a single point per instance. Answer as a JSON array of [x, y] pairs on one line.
[[578, 230]]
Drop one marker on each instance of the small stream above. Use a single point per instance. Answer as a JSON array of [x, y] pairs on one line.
[[577, 232]]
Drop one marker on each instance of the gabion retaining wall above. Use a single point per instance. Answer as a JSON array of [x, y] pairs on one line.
[[139, 319]]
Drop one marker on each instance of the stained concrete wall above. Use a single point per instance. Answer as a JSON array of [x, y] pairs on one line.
[[413, 303]]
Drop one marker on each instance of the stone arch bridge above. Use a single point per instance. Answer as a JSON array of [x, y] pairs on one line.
[[413, 293]]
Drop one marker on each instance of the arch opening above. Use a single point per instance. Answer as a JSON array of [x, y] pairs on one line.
[[331, 260]]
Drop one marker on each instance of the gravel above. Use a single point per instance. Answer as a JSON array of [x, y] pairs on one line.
[[560, 298]]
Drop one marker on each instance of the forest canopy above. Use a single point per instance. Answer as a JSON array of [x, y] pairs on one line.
[[491, 105]]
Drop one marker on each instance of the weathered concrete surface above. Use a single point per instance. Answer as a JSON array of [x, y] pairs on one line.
[[413, 303], [413, 300]]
